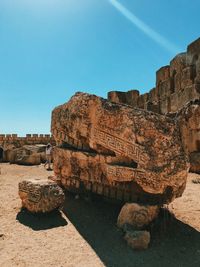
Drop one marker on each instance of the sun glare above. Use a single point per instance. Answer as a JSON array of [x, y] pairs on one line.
[[158, 38]]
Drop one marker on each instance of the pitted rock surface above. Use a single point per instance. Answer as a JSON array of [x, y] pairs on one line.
[[137, 216], [118, 151], [138, 240], [26, 155], [40, 195]]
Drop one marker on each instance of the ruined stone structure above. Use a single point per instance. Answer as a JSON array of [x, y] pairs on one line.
[[117, 151], [11, 142], [189, 122], [29, 139], [176, 84]]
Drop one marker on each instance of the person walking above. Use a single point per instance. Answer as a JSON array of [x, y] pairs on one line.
[[48, 156]]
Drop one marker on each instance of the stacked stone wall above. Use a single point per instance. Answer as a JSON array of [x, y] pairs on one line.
[[176, 93], [176, 84], [29, 139]]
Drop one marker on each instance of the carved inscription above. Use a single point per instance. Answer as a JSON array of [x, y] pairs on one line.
[[149, 183], [122, 174], [33, 194], [120, 146]]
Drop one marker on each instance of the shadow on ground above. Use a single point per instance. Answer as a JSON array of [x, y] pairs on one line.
[[41, 221], [173, 243]]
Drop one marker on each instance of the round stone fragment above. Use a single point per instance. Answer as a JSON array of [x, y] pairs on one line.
[[138, 216], [39, 195], [137, 240]]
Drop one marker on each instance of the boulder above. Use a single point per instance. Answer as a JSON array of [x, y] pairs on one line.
[[138, 216], [39, 195], [118, 151], [138, 240]]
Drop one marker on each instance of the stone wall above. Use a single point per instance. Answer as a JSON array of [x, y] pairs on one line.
[[11, 143], [29, 139], [176, 84], [176, 89]]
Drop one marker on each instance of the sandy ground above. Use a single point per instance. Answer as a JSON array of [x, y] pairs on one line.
[[85, 233]]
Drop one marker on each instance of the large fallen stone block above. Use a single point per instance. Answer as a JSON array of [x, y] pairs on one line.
[[27, 155], [40, 195], [118, 151]]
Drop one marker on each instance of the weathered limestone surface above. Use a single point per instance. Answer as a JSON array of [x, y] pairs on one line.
[[117, 151], [138, 240], [26, 155], [137, 216], [12, 145], [189, 122], [40, 195]]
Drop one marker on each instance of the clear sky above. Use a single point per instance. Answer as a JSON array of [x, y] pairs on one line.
[[49, 49]]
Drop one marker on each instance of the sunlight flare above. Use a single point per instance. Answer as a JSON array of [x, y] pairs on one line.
[[162, 41]]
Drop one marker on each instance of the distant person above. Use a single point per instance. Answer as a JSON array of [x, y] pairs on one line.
[[48, 156]]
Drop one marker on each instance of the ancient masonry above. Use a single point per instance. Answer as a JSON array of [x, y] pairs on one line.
[[29, 139], [11, 141], [176, 85], [140, 159]]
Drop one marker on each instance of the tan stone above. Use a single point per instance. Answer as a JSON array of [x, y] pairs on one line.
[[162, 74], [138, 216], [118, 151], [27, 155], [175, 84], [129, 98], [138, 240], [39, 195], [189, 123]]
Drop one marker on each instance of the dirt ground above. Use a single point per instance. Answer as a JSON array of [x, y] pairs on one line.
[[85, 233]]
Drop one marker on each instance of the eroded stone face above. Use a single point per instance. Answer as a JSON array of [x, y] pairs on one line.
[[137, 216], [189, 122], [117, 151], [40, 195]]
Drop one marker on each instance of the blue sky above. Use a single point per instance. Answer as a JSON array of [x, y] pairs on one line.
[[49, 49]]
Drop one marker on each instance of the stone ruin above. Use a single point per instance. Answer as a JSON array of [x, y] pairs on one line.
[[133, 148], [29, 150], [176, 85], [122, 153], [117, 151], [188, 119]]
